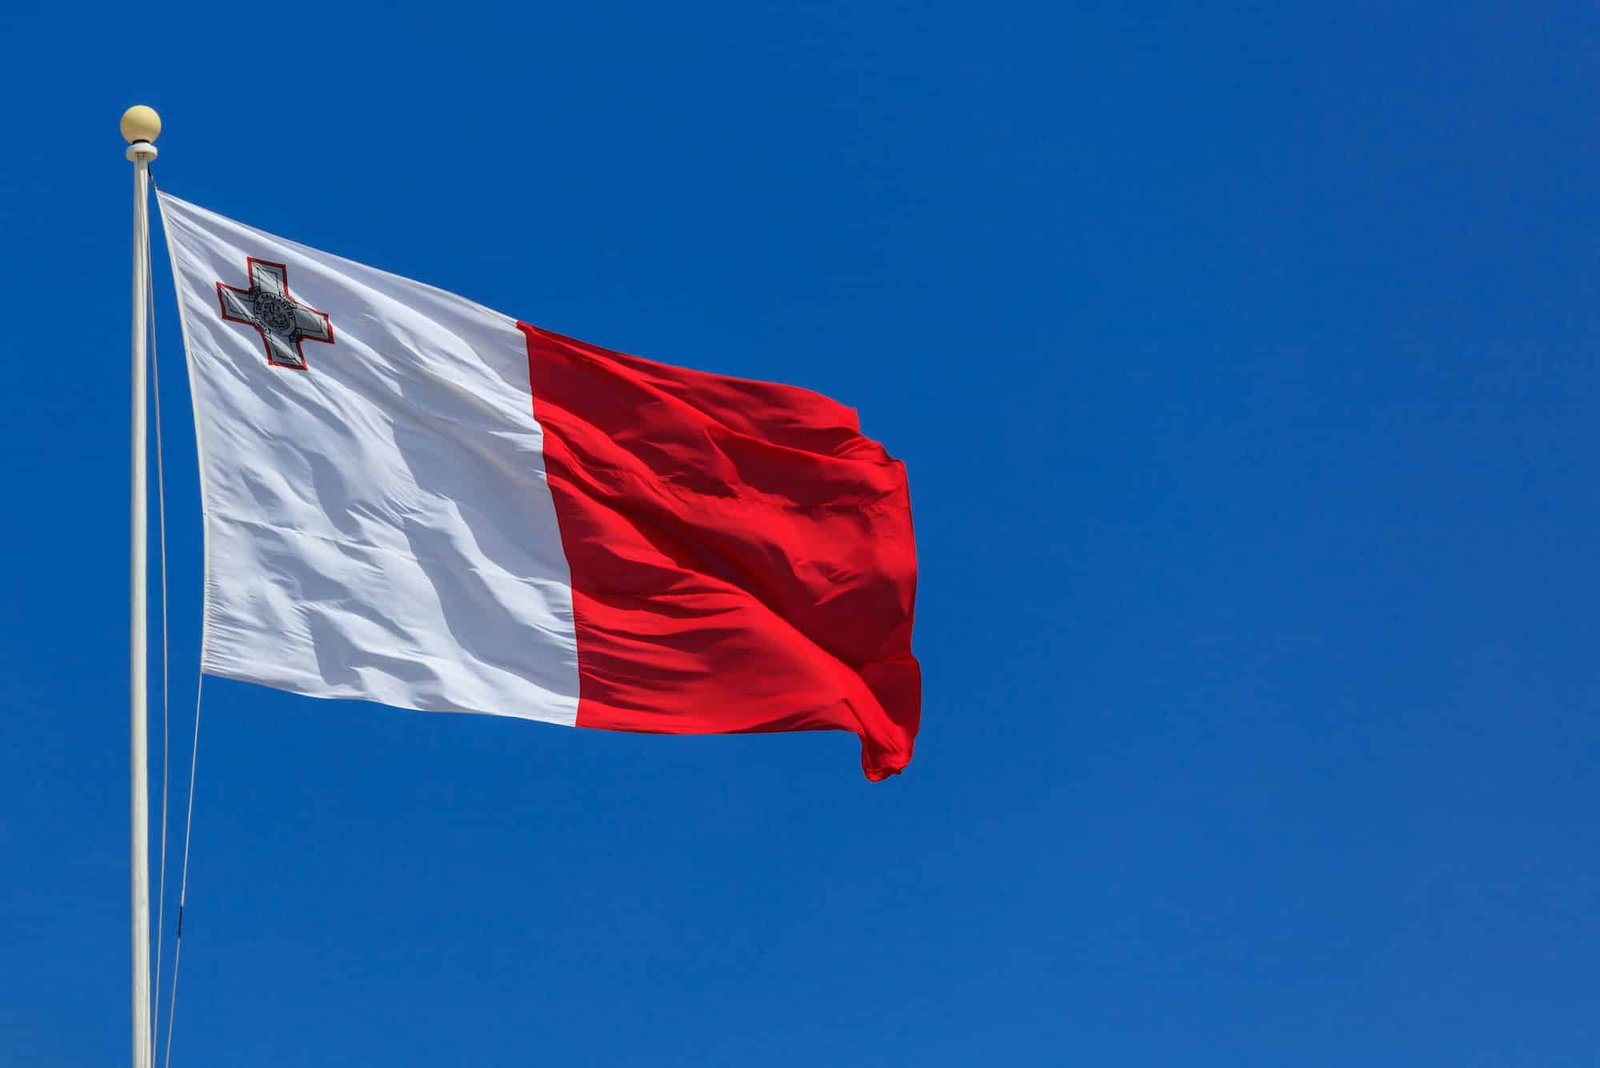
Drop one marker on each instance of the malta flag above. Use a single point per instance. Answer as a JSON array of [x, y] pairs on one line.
[[415, 500]]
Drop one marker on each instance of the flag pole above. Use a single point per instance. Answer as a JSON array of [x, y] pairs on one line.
[[140, 127]]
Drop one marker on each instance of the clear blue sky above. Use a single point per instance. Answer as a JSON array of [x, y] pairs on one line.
[[1244, 362]]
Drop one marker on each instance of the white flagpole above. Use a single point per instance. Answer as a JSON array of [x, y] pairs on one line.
[[140, 127]]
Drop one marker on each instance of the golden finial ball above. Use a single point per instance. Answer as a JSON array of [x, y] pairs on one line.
[[140, 123]]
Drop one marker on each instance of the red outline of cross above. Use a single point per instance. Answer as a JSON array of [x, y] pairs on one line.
[[251, 262]]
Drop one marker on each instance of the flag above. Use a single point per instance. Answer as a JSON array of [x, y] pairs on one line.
[[414, 500]]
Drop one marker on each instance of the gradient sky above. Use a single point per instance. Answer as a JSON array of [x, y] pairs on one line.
[[1243, 360]]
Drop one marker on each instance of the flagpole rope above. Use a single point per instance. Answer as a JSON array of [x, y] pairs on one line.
[[194, 758], [183, 877], [166, 689]]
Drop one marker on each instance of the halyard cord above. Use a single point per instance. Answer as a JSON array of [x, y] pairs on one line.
[[183, 878], [166, 689], [194, 751]]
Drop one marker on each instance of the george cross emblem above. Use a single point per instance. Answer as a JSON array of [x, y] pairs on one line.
[[282, 321]]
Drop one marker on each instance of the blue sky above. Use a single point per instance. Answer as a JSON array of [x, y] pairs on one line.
[[1243, 363]]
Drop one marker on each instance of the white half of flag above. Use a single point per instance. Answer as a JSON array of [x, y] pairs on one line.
[[377, 521]]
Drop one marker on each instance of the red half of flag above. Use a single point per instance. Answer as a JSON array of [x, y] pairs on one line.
[[742, 556]]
